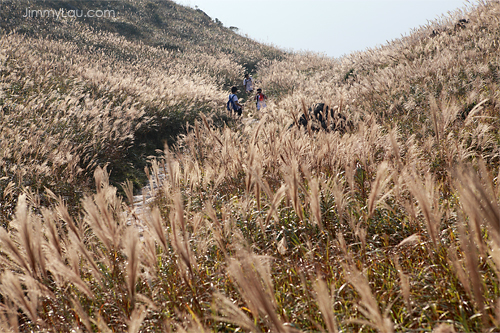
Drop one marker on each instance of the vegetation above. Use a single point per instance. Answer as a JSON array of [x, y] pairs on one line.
[[78, 93], [255, 225]]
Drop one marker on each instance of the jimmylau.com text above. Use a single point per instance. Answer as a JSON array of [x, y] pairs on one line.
[[65, 13]]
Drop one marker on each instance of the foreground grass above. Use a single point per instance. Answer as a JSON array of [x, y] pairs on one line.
[[391, 226]]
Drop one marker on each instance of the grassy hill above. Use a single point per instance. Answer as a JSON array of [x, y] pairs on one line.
[[79, 92], [162, 24], [392, 226]]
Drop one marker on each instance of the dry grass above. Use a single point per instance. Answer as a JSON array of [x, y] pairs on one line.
[[392, 226]]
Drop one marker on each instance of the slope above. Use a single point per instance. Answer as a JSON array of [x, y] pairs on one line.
[[393, 226], [84, 92]]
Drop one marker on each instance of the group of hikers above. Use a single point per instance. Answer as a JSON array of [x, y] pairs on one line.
[[235, 107]]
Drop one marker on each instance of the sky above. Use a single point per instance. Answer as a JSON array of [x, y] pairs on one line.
[[331, 27]]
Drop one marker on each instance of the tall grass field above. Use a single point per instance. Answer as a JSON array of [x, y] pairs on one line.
[[254, 224]]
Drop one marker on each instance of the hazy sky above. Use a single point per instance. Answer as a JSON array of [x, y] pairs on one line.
[[332, 27]]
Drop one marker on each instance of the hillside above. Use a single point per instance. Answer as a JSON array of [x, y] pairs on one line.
[[157, 23], [256, 225], [80, 93]]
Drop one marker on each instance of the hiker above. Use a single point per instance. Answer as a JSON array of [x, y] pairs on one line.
[[260, 99], [248, 83], [232, 103]]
